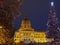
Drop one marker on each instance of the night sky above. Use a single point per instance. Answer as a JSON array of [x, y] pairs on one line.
[[37, 11]]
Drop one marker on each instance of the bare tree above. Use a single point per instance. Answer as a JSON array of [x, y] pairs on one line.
[[9, 10]]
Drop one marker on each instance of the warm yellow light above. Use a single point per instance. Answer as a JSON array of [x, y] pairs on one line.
[[17, 41], [1, 27], [41, 40]]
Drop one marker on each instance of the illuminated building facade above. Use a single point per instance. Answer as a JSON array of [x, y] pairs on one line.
[[40, 36], [27, 34]]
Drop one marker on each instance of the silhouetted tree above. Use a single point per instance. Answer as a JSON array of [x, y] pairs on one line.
[[9, 10]]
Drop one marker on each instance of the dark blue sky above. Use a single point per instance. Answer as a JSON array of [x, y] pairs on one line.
[[37, 11]]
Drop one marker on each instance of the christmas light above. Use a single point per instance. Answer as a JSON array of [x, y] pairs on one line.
[[52, 3]]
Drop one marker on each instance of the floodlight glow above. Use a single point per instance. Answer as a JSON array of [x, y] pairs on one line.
[[52, 3]]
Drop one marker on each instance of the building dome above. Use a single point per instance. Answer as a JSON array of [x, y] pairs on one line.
[[26, 22]]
